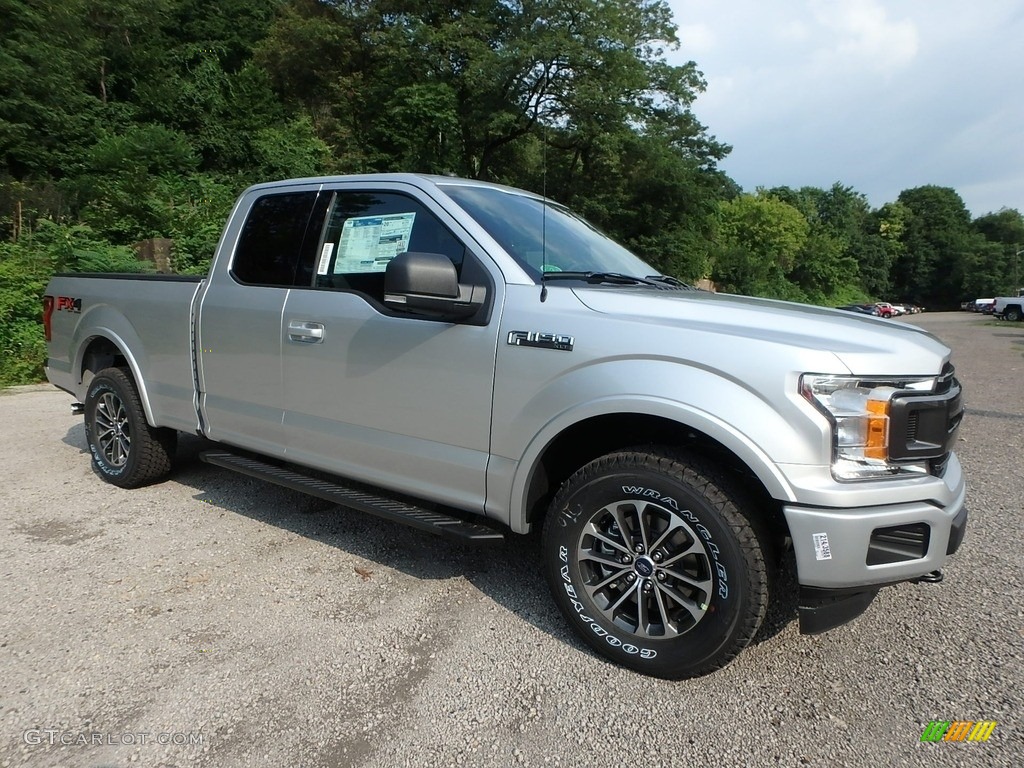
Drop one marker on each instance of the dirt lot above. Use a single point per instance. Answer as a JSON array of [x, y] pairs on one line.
[[215, 621]]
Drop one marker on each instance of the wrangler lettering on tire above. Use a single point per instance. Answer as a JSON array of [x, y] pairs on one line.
[[657, 561]]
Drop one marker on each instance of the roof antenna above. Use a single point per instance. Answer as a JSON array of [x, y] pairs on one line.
[[544, 215]]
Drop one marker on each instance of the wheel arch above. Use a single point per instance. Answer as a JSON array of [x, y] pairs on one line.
[[103, 348], [557, 453]]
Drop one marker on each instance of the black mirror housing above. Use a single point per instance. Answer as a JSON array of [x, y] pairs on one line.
[[428, 284], [424, 274]]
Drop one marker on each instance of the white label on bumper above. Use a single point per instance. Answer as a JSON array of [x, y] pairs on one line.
[[822, 551]]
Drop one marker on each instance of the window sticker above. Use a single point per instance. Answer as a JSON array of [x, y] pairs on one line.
[[325, 258], [368, 243]]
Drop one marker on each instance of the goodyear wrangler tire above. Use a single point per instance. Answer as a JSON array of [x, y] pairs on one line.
[[652, 557], [126, 450]]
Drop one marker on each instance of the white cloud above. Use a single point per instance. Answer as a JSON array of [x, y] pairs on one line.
[[882, 97], [861, 32], [696, 38], [795, 30]]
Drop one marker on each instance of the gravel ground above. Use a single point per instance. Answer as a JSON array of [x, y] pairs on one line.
[[213, 620]]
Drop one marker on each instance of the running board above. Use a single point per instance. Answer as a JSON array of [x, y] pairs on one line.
[[437, 523]]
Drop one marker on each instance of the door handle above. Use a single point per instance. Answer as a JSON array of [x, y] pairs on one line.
[[305, 332]]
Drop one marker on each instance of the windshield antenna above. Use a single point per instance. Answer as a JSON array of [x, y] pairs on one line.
[[544, 214]]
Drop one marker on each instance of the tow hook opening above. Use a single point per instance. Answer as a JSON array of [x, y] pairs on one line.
[[930, 578]]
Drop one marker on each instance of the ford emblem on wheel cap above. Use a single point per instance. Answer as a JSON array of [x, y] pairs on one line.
[[644, 567]]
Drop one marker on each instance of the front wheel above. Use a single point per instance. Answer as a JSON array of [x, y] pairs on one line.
[[126, 450], [655, 559], [1012, 314]]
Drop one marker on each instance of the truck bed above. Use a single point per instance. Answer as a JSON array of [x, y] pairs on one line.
[[156, 308]]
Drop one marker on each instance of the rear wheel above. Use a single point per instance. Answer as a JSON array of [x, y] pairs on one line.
[[126, 450], [654, 559]]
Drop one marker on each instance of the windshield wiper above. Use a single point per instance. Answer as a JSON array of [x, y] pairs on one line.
[[615, 278], [675, 282]]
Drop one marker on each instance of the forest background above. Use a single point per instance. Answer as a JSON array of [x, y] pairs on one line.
[[126, 120]]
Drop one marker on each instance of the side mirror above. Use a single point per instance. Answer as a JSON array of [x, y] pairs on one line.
[[428, 284]]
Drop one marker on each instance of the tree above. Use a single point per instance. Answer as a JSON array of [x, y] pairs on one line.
[[881, 247], [828, 264], [462, 86], [653, 198], [47, 110], [118, 180], [937, 247], [25, 268], [759, 240], [1006, 228]]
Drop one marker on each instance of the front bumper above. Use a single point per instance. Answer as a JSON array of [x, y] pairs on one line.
[[850, 547], [823, 609]]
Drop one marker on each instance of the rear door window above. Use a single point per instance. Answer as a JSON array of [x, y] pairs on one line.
[[277, 245]]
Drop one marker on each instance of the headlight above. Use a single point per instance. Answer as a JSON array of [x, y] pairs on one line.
[[858, 409]]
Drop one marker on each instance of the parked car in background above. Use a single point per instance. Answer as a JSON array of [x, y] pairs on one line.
[[886, 309], [864, 309], [908, 308]]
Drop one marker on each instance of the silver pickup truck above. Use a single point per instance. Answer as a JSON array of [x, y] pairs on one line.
[[474, 360]]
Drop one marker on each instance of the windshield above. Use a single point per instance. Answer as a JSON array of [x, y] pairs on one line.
[[544, 239]]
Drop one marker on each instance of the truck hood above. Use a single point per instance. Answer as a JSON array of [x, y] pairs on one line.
[[866, 345]]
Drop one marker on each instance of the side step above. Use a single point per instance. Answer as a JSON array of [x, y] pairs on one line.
[[437, 523]]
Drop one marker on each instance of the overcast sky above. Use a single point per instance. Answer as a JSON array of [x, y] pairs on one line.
[[880, 96]]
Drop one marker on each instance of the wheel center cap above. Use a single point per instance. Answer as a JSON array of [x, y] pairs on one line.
[[644, 567]]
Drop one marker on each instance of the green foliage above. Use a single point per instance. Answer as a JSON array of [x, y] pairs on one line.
[[118, 180], [48, 106], [23, 277], [132, 119], [289, 151], [643, 191], [937, 246], [74, 248], [999, 272], [195, 209], [986, 271], [849, 294], [25, 269], [760, 238], [466, 87]]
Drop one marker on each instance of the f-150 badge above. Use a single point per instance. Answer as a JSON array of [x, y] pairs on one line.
[[542, 340]]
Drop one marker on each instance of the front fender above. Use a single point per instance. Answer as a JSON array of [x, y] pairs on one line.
[[763, 429]]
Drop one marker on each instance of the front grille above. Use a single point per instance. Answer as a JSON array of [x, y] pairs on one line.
[[898, 543], [923, 425], [945, 379], [912, 420]]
